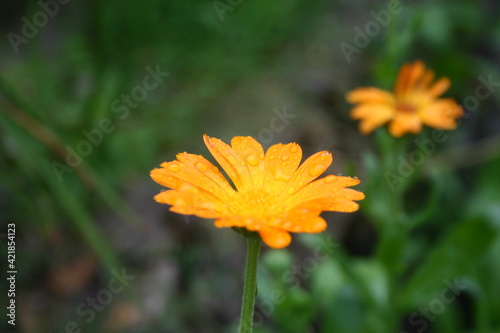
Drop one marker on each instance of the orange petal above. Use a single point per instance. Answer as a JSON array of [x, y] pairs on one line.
[[311, 169], [251, 161], [400, 86], [403, 123], [196, 171], [275, 238], [369, 95], [302, 220], [415, 73], [333, 204], [205, 206], [441, 114], [439, 87], [373, 116], [330, 186], [425, 81], [281, 163], [250, 223], [214, 180], [227, 158]]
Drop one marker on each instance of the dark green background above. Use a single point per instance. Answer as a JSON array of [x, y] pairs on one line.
[[231, 74]]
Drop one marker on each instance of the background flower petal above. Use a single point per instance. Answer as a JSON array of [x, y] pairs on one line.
[[369, 95]]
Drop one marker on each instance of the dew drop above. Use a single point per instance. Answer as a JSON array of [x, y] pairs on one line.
[[330, 179], [201, 166], [355, 177], [294, 149], [284, 158], [316, 169], [173, 167], [291, 190], [232, 160], [279, 175], [340, 175], [252, 159]]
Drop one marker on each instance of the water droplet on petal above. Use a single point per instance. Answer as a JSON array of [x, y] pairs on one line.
[[232, 160], [355, 177], [340, 175], [316, 169], [330, 179], [291, 190], [284, 158], [284, 164], [201, 166], [252, 159], [173, 167], [279, 175], [294, 149]]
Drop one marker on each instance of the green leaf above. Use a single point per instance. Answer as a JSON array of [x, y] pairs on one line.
[[466, 245]]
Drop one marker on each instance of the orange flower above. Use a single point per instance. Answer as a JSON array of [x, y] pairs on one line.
[[273, 195], [414, 103]]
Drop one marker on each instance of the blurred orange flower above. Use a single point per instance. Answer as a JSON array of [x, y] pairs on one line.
[[274, 195], [413, 103]]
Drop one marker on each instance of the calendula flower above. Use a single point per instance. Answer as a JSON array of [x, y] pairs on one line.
[[413, 103], [273, 195]]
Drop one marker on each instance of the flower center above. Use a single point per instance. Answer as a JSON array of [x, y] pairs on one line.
[[255, 203], [405, 108]]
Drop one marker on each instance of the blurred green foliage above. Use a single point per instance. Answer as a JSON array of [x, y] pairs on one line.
[[440, 226]]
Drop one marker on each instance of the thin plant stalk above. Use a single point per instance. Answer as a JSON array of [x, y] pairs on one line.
[[250, 285]]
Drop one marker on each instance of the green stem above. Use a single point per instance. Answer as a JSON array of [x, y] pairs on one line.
[[250, 287]]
